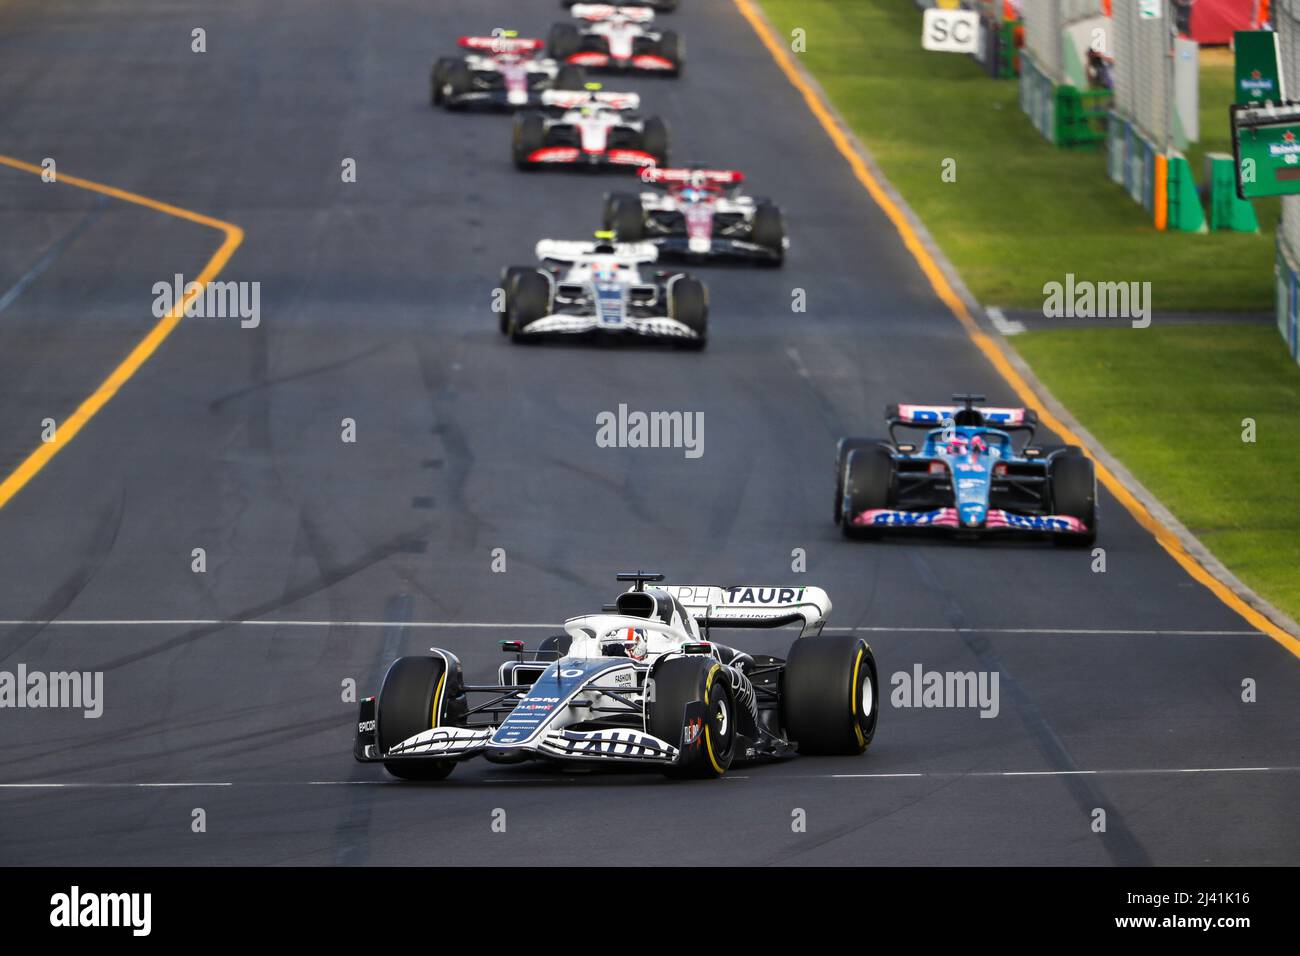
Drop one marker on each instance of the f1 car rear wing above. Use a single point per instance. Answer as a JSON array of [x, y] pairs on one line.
[[575, 99], [501, 44], [744, 605], [692, 177], [603, 11], [933, 416], [570, 250]]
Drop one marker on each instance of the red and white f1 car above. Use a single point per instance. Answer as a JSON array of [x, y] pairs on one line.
[[500, 72], [589, 128], [617, 38], [698, 214]]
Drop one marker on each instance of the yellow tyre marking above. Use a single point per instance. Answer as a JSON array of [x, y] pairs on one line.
[[853, 690], [437, 699], [993, 351], [708, 735], [69, 427]]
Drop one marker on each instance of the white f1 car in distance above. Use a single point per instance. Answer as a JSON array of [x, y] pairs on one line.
[[500, 72], [663, 6], [594, 129], [699, 213], [641, 682], [597, 289], [617, 37]]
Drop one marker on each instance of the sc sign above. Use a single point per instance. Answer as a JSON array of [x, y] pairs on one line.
[[952, 31]]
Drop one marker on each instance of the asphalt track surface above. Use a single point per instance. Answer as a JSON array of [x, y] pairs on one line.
[[375, 306]]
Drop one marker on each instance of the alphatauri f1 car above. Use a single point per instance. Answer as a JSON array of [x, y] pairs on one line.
[[698, 214], [500, 73], [642, 682], [597, 289], [617, 38], [967, 475], [663, 6], [589, 129]]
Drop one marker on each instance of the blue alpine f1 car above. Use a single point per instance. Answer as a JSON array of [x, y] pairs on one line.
[[966, 475]]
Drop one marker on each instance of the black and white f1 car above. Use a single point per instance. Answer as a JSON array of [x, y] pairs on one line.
[[663, 6], [500, 72], [596, 289], [698, 214], [642, 682], [589, 129], [967, 475], [617, 38]]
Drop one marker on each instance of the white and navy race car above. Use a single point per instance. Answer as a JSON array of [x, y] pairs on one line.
[[596, 289], [699, 214], [502, 72], [589, 129], [642, 682], [663, 6], [617, 37]]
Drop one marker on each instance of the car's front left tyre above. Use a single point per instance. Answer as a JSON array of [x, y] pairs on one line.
[[417, 694], [690, 706]]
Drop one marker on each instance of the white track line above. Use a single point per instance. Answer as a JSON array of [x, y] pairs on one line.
[[490, 625], [935, 775], [1002, 323]]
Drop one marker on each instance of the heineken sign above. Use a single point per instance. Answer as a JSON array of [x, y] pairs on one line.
[[1258, 76], [1266, 148]]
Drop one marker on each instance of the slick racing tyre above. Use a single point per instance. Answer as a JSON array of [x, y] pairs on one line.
[[563, 42], [868, 478], [570, 77], [437, 79], [670, 48], [768, 230], [842, 449], [1074, 493], [529, 136], [830, 697], [554, 647], [507, 286], [625, 217], [654, 140], [418, 693], [456, 81], [688, 303], [527, 299], [707, 741]]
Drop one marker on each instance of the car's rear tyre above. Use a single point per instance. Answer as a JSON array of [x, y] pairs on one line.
[[418, 694], [570, 77], [670, 48], [688, 303], [654, 140], [868, 478], [626, 218], [1074, 493], [456, 81], [529, 135], [611, 201], [830, 697], [768, 230], [707, 750], [842, 449], [528, 299], [564, 41]]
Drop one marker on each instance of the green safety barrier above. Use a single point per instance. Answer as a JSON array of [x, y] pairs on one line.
[[1081, 116], [1227, 210]]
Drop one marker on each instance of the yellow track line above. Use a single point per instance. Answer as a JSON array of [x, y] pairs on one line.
[[69, 427], [991, 349]]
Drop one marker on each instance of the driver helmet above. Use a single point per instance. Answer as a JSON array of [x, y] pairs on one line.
[[633, 642]]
